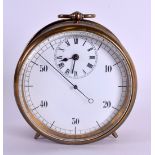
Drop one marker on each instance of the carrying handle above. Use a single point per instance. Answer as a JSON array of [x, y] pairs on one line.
[[76, 16]]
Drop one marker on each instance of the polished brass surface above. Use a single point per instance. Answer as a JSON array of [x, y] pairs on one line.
[[112, 126]]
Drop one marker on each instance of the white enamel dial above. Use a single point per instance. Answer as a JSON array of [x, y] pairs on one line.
[[82, 99]]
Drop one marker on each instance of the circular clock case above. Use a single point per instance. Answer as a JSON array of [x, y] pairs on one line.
[[75, 82]]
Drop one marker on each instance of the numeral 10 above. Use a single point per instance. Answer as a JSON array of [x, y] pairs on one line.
[[108, 68]]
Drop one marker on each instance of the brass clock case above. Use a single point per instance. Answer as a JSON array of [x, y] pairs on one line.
[[76, 24]]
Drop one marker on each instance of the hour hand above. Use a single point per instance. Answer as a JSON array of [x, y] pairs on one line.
[[74, 57], [64, 59]]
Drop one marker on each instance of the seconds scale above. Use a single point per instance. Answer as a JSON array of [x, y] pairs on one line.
[[75, 82]]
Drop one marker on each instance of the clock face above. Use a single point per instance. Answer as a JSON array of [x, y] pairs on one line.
[[75, 57], [74, 82]]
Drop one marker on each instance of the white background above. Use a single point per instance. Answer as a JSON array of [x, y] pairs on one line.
[[129, 20]]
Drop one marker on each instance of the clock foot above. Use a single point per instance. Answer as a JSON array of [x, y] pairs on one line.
[[115, 134], [36, 136]]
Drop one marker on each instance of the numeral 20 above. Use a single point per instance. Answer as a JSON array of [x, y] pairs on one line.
[[106, 104]]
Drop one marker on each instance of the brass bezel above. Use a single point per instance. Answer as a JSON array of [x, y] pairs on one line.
[[83, 25]]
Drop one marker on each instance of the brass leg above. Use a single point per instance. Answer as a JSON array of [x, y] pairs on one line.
[[36, 136], [115, 134]]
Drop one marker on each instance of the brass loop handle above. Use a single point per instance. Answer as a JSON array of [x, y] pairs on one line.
[[76, 16]]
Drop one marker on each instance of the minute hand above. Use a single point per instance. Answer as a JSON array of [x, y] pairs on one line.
[[74, 86], [73, 66]]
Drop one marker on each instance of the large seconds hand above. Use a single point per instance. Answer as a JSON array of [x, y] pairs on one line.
[[90, 100]]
